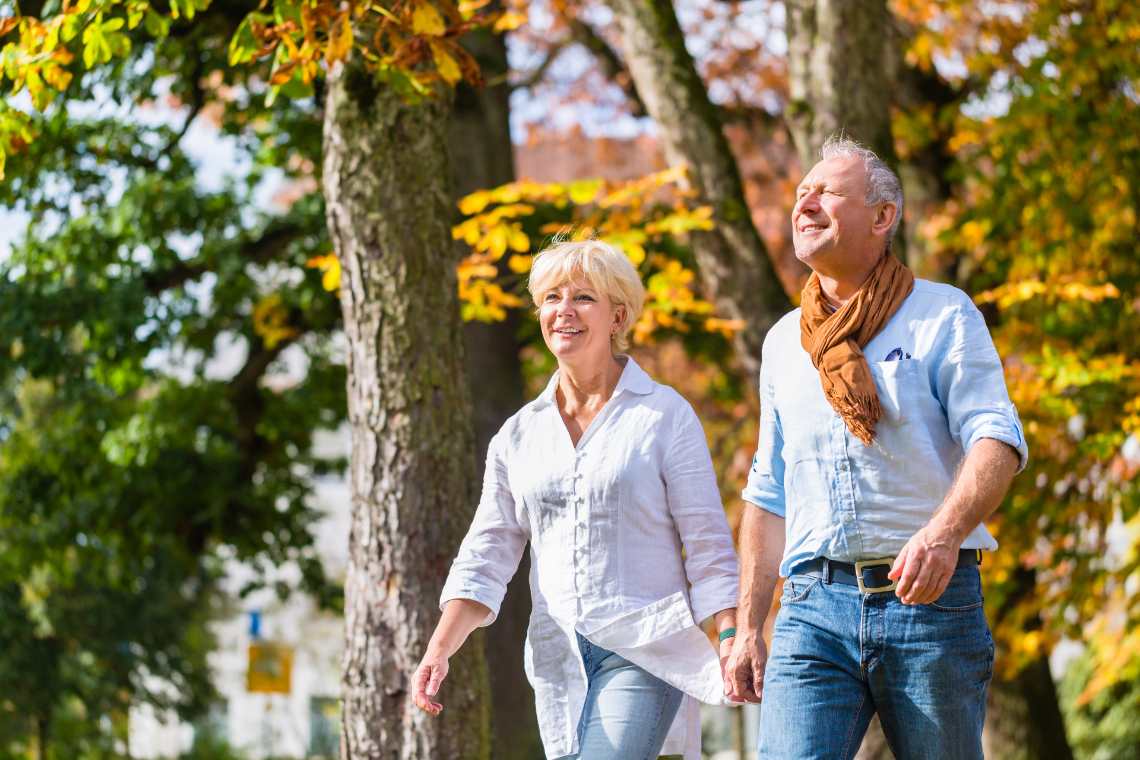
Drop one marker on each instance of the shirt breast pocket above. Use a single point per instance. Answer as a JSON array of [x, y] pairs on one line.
[[900, 385]]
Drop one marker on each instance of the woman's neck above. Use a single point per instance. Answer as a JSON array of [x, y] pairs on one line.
[[589, 384]]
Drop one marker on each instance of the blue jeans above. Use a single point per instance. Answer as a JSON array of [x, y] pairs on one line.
[[628, 712], [839, 656]]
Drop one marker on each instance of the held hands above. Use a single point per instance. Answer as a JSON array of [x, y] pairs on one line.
[[426, 680], [743, 668], [925, 565]]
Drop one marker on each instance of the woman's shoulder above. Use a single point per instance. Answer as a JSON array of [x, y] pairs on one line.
[[669, 404]]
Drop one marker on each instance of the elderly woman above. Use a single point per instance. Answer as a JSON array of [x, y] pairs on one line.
[[608, 476]]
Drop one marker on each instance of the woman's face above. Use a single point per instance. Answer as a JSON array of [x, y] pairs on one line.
[[578, 321]]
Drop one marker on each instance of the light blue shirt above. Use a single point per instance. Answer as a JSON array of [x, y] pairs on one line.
[[941, 390]]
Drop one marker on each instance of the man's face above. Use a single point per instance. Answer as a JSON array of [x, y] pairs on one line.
[[831, 223]]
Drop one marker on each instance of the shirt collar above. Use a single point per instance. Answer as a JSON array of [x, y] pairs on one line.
[[633, 379]]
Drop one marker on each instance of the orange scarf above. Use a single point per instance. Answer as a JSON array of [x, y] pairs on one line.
[[835, 340]]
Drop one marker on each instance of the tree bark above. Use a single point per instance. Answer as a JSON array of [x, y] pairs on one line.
[[839, 80], [1025, 721], [483, 156], [925, 169], [732, 259], [386, 186]]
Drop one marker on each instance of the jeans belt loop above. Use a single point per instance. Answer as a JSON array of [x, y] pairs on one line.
[[827, 571]]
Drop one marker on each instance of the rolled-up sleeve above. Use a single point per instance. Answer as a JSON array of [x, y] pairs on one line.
[[971, 386], [765, 486], [694, 502], [490, 553]]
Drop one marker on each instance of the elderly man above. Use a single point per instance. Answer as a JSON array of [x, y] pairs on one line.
[[886, 437]]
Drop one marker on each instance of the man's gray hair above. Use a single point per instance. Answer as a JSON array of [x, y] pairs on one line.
[[883, 185]]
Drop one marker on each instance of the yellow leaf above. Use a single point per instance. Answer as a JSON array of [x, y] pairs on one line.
[[271, 321], [474, 203], [520, 264], [472, 268], [519, 240], [467, 8], [495, 241], [445, 64], [726, 327], [329, 265], [509, 21], [584, 190], [340, 40], [330, 280], [426, 20], [498, 297]]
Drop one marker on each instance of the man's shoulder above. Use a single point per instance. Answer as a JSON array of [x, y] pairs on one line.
[[928, 293], [786, 328]]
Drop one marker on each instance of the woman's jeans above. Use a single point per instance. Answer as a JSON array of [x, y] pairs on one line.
[[628, 712], [838, 656]]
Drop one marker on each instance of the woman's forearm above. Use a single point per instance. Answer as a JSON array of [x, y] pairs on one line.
[[725, 619], [460, 617]]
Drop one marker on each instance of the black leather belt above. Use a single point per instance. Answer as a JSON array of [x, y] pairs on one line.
[[869, 575]]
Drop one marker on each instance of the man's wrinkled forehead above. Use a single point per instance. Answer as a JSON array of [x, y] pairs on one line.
[[847, 171]]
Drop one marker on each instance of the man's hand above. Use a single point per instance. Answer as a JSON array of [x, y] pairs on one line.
[[925, 565], [744, 668]]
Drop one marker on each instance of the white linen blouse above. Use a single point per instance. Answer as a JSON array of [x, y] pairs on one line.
[[606, 520]]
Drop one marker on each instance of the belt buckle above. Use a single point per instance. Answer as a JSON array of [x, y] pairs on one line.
[[873, 563]]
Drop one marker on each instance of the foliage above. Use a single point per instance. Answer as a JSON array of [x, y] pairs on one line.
[[154, 423], [411, 45], [1049, 243], [646, 217], [1100, 697]]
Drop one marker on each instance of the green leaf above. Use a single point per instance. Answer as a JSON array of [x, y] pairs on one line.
[[286, 11], [243, 45], [156, 24]]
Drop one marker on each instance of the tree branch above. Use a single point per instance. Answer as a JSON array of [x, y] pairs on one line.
[[537, 75], [258, 251], [612, 65]]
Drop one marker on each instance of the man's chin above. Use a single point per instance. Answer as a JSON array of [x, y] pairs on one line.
[[809, 256]]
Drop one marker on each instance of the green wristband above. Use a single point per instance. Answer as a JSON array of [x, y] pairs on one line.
[[727, 633]]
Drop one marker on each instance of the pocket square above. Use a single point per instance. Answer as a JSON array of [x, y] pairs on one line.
[[896, 354]]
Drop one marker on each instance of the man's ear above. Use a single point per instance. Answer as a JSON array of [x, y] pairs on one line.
[[884, 217]]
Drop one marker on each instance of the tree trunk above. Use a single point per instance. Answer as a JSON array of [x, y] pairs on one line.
[[483, 156], [732, 258], [1024, 718], [839, 77], [43, 723], [386, 186], [925, 168]]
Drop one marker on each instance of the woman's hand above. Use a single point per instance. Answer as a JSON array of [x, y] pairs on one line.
[[725, 651], [460, 618], [425, 683]]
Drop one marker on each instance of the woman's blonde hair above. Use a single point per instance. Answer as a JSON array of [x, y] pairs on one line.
[[603, 266]]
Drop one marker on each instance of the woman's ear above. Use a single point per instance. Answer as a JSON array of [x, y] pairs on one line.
[[619, 318]]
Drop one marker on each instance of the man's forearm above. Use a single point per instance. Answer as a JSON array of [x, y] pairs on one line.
[[761, 548], [978, 490]]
